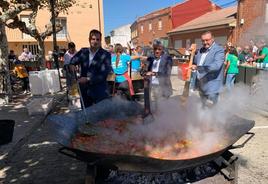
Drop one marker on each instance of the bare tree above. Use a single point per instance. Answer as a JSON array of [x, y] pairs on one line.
[[9, 16], [60, 6], [7, 12]]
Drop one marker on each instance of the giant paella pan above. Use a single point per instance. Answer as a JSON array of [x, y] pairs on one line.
[[117, 139]]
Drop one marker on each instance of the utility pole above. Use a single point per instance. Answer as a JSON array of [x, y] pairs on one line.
[[55, 47]]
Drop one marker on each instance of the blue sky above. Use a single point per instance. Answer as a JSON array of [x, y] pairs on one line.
[[121, 12]]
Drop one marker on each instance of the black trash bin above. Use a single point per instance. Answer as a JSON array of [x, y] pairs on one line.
[[6, 130], [241, 75], [250, 73]]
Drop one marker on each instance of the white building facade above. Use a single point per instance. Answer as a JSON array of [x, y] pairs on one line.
[[121, 35]]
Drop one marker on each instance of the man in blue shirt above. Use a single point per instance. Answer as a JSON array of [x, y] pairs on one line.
[[95, 63], [209, 63]]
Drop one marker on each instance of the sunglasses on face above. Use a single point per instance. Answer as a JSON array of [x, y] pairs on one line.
[[206, 40], [160, 49]]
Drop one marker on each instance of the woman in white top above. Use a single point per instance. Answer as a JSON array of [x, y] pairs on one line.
[[67, 58]]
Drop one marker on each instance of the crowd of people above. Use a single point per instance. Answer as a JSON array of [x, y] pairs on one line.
[[19, 70], [213, 66], [251, 55], [95, 64]]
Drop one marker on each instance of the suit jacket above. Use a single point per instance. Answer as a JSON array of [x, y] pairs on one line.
[[163, 73], [98, 71], [210, 74]]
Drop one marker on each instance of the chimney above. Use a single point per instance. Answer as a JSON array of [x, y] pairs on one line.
[[213, 7]]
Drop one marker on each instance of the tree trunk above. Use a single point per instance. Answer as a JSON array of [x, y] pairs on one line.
[[41, 52], [4, 63]]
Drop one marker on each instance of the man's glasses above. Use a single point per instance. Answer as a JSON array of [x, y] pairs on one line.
[[205, 40]]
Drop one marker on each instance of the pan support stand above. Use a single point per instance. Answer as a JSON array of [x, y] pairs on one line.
[[91, 174], [228, 166]]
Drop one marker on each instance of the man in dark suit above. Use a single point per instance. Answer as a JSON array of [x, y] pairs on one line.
[[95, 63], [159, 69], [209, 63]]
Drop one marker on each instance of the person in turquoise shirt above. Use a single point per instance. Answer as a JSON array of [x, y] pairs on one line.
[[123, 84], [231, 69], [136, 64]]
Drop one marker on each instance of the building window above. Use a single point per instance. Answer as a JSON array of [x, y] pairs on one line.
[[188, 44], [141, 28], [177, 44], [160, 26], [32, 48], [25, 19], [150, 26], [134, 33], [198, 42], [266, 13], [63, 32]]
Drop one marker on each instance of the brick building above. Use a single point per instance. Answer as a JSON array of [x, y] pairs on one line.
[[252, 20], [155, 25], [151, 26], [221, 22]]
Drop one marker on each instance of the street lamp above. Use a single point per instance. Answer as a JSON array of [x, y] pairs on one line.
[[55, 47]]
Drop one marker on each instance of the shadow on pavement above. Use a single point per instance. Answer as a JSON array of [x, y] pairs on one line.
[[39, 162]]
